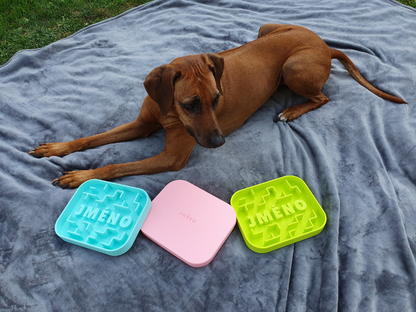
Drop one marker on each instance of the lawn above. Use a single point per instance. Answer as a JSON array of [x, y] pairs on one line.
[[411, 3], [29, 24]]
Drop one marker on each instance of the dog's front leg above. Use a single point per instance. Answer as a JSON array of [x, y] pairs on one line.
[[145, 124], [179, 145], [126, 132]]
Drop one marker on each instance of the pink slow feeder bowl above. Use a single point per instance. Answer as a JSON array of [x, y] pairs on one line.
[[189, 223]]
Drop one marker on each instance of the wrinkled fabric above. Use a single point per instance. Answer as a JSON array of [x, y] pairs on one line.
[[357, 154]]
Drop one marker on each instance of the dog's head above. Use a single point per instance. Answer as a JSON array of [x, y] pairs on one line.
[[191, 86]]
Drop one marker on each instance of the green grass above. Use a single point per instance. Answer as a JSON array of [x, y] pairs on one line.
[[411, 3], [29, 24]]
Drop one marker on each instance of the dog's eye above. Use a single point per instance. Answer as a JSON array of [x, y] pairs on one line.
[[188, 106], [191, 107]]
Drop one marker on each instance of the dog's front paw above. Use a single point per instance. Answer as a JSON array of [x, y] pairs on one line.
[[73, 179], [51, 149]]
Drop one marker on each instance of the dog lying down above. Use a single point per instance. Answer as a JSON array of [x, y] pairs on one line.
[[203, 98]]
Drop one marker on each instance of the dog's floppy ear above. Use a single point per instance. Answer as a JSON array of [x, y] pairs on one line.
[[159, 85], [217, 67]]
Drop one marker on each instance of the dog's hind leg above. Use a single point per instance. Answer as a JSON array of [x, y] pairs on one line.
[[305, 76], [293, 112]]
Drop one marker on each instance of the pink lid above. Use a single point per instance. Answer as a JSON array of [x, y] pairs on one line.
[[189, 223]]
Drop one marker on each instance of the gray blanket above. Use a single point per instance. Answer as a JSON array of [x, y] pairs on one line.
[[357, 154]]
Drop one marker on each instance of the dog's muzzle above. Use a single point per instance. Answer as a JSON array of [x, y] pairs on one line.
[[217, 141]]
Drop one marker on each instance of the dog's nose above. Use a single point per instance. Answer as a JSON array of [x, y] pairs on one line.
[[217, 141]]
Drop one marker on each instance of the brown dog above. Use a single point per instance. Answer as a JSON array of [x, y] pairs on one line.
[[202, 98]]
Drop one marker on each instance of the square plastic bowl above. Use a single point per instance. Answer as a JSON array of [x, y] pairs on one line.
[[277, 213], [189, 223], [104, 216]]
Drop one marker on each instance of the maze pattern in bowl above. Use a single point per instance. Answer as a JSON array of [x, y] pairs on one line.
[[277, 213], [104, 216]]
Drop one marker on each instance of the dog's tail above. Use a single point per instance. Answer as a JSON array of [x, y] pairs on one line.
[[350, 67]]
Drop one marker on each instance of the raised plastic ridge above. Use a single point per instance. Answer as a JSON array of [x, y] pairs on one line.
[[104, 216], [277, 213]]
